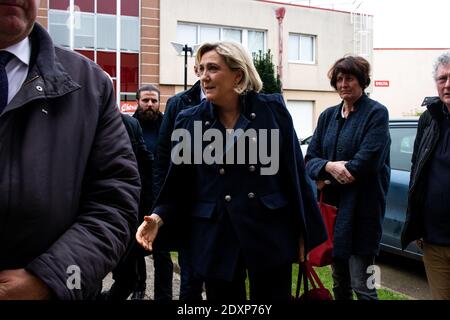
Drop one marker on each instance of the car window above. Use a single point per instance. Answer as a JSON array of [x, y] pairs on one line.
[[402, 147]]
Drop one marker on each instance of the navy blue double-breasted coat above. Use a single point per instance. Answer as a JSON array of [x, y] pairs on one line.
[[228, 211]]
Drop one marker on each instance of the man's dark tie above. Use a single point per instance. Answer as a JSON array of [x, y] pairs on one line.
[[4, 59]]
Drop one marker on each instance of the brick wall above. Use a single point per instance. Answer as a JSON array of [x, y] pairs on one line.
[[150, 24], [42, 16], [150, 30]]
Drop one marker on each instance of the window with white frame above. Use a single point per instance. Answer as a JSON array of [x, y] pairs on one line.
[[57, 21], [232, 35], [187, 34], [302, 48], [84, 30], [106, 32], [94, 35], [209, 34], [255, 41], [129, 34], [192, 34]]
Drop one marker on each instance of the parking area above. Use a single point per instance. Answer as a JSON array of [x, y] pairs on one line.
[[404, 275]]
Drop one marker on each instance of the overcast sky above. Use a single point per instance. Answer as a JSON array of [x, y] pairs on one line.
[[400, 23]]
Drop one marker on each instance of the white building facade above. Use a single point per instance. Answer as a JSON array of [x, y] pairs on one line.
[[403, 78], [304, 41]]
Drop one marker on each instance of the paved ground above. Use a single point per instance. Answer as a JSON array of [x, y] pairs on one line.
[[404, 275], [108, 281], [399, 274]]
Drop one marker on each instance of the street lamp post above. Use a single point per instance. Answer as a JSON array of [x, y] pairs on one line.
[[184, 48]]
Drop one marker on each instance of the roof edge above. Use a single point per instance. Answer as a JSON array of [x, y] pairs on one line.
[[309, 7], [405, 49]]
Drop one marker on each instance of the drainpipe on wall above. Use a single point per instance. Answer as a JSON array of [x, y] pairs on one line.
[[280, 13], [118, 51]]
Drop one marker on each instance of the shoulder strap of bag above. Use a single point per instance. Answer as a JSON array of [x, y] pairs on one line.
[[302, 274], [313, 277]]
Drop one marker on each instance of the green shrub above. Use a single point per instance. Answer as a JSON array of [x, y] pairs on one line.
[[266, 69]]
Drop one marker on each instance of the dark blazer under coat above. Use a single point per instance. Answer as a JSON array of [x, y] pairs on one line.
[[263, 215], [365, 143], [69, 184]]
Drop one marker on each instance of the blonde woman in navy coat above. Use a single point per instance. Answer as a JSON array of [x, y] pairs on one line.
[[243, 214]]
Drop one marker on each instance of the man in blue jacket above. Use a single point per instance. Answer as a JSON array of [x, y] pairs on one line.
[[69, 184]]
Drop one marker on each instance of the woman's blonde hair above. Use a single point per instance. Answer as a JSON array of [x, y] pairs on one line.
[[236, 58]]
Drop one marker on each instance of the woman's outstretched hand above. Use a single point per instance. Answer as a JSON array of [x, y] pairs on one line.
[[148, 230]]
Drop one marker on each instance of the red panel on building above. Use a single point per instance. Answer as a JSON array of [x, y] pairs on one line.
[[130, 8], [129, 72], [106, 6], [85, 5], [59, 4], [107, 60], [87, 53]]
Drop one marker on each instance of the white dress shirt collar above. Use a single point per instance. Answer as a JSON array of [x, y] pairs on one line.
[[17, 67], [21, 50]]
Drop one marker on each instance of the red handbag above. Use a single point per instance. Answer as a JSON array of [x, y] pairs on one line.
[[309, 275], [322, 255]]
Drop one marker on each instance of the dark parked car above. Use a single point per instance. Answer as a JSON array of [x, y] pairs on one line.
[[403, 134]]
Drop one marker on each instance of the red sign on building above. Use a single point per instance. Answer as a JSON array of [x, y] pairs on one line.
[[128, 107], [381, 83]]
